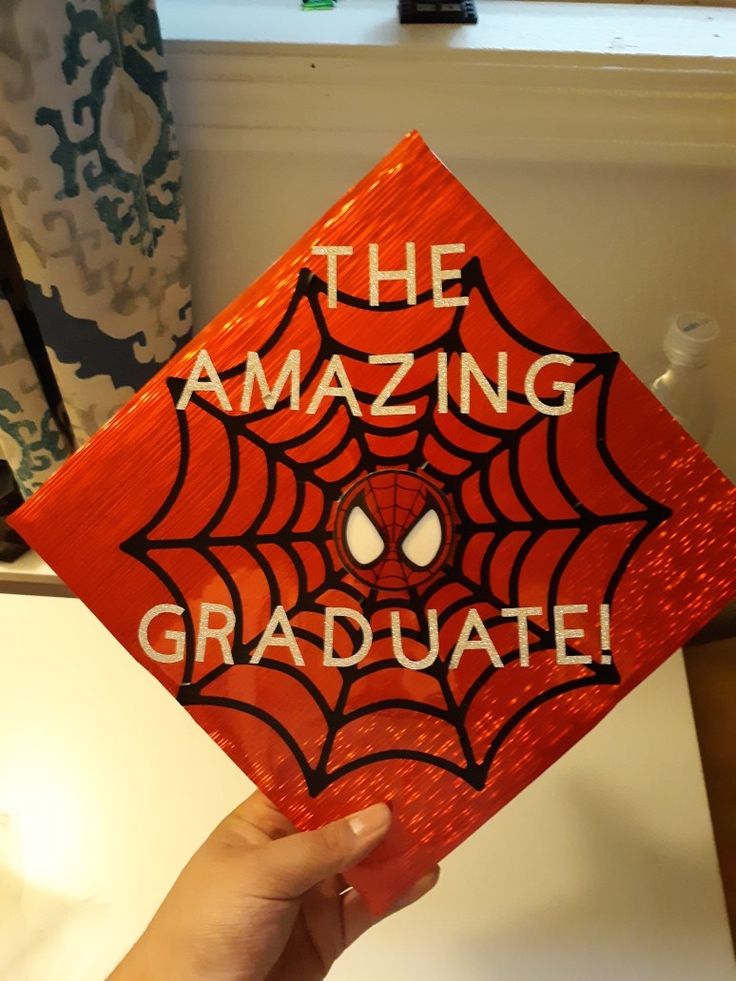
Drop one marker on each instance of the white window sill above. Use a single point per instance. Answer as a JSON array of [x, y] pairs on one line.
[[535, 81], [504, 26]]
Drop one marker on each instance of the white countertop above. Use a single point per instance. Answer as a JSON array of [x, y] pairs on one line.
[[603, 869], [28, 569]]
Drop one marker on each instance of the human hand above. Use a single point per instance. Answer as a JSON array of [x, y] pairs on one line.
[[260, 901]]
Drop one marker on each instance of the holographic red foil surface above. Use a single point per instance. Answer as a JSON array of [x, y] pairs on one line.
[[611, 503]]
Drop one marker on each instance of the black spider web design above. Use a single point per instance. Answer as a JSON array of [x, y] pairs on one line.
[[645, 515]]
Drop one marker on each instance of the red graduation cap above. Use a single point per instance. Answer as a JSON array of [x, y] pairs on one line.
[[397, 525]]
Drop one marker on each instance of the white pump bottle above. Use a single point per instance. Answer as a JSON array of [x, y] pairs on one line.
[[685, 387]]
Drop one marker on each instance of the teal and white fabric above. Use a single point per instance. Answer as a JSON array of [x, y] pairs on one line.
[[90, 194]]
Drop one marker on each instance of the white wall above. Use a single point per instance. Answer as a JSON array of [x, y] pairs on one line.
[[618, 180]]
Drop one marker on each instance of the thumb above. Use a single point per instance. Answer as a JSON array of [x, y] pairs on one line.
[[288, 867]]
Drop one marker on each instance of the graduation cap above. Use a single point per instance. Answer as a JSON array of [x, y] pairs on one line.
[[397, 525]]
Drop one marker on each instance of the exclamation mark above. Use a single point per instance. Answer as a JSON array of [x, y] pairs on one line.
[[605, 633]]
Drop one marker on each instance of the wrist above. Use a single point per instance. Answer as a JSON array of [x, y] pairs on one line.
[[144, 963]]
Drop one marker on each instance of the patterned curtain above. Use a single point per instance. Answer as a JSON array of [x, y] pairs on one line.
[[94, 291]]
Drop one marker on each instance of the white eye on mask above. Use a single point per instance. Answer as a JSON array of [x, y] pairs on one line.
[[362, 538], [422, 542]]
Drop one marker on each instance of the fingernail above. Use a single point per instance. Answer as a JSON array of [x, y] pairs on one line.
[[371, 821], [428, 881]]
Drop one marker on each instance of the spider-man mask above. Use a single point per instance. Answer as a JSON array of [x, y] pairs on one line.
[[393, 529]]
